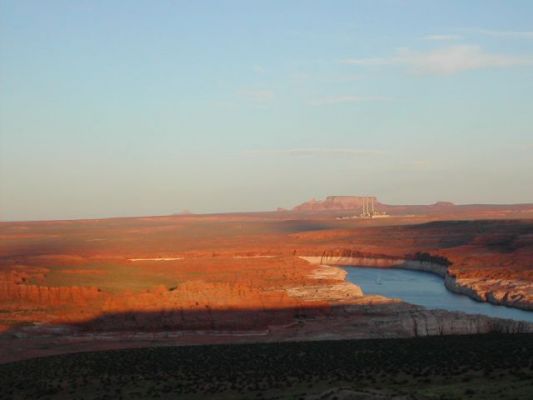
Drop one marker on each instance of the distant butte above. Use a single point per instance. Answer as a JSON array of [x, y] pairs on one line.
[[357, 204], [337, 203]]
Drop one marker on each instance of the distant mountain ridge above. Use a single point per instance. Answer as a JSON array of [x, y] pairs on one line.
[[356, 203]]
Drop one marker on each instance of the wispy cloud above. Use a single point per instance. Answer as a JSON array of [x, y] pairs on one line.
[[258, 95], [301, 77], [345, 78], [454, 59], [442, 38], [503, 34], [322, 152], [367, 61], [447, 60], [327, 100]]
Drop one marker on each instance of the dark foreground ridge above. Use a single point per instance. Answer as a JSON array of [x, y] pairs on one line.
[[494, 366]]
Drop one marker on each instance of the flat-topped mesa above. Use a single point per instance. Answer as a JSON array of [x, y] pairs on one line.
[[337, 203], [370, 206]]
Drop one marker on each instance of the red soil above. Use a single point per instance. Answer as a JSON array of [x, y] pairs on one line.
[[79, 271]]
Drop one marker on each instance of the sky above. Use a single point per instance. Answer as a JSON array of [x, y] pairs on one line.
[[115, 108]]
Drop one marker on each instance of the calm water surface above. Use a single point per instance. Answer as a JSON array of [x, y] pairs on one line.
[[425, 289]]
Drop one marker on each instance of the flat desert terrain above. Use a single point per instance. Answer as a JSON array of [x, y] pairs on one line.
[[85, 285]]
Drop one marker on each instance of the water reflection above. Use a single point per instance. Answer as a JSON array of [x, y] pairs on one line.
[[426, 289]]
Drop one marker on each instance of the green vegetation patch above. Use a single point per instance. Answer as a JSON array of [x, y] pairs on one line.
[[453, 367], [112, 278]]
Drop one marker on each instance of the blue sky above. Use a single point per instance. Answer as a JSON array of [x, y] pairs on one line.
[[113, 108]]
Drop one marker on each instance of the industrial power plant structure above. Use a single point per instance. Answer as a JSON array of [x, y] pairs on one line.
[[368, 207], [369, 211]]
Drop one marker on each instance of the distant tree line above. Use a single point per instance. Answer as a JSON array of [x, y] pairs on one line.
[[343, 252], [427, 257]]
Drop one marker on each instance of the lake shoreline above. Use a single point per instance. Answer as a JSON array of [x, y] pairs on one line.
[[500, 294]]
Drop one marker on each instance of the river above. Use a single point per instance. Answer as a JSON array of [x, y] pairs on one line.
[[426, 289]]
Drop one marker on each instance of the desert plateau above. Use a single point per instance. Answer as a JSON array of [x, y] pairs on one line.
[[257, 277]]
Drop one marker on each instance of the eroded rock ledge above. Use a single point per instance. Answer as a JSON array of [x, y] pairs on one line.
[[336, 290], [511, 293]]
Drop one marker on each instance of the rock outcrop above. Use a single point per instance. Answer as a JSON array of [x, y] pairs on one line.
[[336, 203], [441, 322], [511, 293], [331, 287], [47, 296]]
